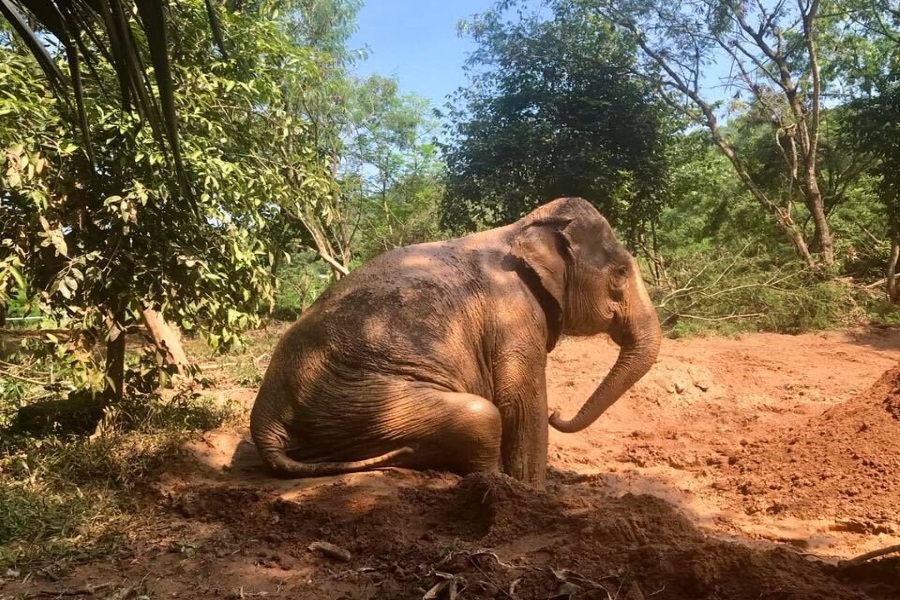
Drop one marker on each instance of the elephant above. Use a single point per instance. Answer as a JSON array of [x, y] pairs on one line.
[[433, 356]]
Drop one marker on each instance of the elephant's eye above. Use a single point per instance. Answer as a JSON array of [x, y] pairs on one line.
[[619, 276]]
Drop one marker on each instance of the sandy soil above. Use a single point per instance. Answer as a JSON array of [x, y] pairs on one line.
[[738, 468]]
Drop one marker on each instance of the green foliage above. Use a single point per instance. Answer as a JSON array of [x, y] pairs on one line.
[[323, 25], [860, 47], [709, 205], [76, 26], [391, 170], [299, 283], [377, 143], [874, 128], [716, 268], [552, 109]]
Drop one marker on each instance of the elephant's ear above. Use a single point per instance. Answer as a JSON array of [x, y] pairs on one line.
[[542, 246]]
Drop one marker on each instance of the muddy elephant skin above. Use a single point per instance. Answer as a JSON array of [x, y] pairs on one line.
[[433, 356]]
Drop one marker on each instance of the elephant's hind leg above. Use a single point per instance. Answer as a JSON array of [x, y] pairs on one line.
[[449, 431]]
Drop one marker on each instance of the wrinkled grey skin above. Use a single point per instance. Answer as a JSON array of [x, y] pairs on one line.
[[433, 356]]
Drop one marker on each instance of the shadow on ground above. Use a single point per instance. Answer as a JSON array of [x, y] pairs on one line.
[[883, 337], [480, 537]]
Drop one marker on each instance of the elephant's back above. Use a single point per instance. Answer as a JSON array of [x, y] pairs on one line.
[[411, 308]]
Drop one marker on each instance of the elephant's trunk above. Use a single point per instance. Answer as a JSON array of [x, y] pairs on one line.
[[639, 342]]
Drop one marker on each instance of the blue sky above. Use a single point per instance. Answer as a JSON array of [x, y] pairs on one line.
[[416, 41]]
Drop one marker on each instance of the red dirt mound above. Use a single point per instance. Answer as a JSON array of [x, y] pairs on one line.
[[844, 463]]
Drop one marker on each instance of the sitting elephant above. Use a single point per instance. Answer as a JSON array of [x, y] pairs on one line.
[[433, 356]]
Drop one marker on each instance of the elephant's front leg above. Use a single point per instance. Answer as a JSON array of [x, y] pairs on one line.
[[522, 400]]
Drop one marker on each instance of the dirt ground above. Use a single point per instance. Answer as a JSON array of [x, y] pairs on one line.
[[737, 469]]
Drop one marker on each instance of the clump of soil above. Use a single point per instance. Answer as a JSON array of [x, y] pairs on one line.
[[501, 508], [844, 463]]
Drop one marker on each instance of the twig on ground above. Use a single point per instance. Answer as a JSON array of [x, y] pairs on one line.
[[725, 318], [487, 552], [23, 379], [450, 582], [571, 578], [330, 550], [869, 556], [28, 333], [512, 588], [217, 366], [87, 591]]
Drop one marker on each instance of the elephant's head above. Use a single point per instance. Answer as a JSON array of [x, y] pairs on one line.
[[596, 286]]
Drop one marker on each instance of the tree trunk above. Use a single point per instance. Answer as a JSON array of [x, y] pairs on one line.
[[809, 136], [822, 243], [782, 215], [337, 269], [166, 338], [893, 286], [323, 248], [277, 258], [115, 369]]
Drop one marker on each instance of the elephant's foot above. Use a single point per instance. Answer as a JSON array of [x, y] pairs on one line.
[[530, 476]]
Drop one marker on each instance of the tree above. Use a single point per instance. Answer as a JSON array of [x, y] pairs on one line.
[[390, 169], [868, 58], [321, 218], [874, 128], [99, 242], [773, 50], [553, 110]]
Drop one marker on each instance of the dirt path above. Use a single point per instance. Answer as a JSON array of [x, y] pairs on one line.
[[777, 442]]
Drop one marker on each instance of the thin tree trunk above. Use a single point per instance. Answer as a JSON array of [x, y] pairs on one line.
[[4, 345], [782, 215], [809, 130], [337, 267], [822, 242], [115, 369], [166, 339], [893, 286], [323, 248], [684, 81], [277, 258]]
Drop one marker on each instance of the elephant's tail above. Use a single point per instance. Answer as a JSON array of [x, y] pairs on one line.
[[270, 437], [282, 464]]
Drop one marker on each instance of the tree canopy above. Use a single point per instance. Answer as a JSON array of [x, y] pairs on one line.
[[96, 240], [553, 109]]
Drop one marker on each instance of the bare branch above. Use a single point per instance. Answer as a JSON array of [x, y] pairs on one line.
[[776, 57], [331, 261], [761, 66], [725, 318], [870, 555]]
